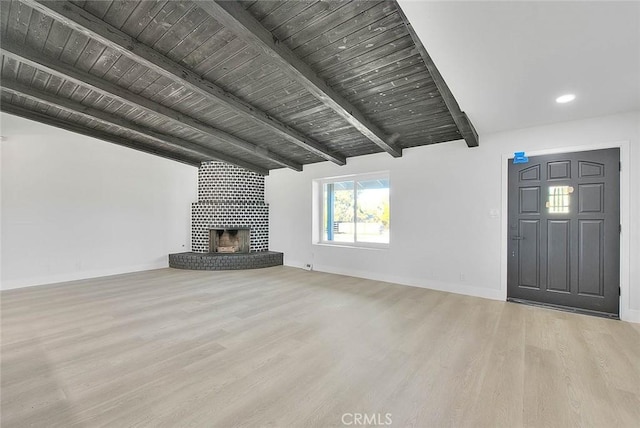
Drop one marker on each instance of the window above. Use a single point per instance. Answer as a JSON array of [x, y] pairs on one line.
[[558, 202], [354, 210]]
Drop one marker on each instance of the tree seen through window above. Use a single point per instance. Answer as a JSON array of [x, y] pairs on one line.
[[356, 211]]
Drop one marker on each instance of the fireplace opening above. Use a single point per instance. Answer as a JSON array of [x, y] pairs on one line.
[[229, 240]]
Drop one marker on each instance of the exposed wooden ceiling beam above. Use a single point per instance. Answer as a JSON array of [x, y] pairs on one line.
[[461, 119], [109, 119], [108, 89], [234, 17], [72, 127], [82, 21]]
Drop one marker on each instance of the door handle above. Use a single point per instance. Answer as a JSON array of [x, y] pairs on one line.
[[517, 238]]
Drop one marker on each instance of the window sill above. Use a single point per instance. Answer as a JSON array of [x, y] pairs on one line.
[[357, 246]]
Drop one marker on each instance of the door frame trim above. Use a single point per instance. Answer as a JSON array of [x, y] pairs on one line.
[[626, 313]]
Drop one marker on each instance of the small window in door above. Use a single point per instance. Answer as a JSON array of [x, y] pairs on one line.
[[558, 202]]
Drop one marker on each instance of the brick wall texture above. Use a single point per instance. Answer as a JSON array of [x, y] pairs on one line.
[[229, 197]]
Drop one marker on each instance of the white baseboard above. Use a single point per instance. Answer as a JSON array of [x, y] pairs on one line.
[[457, 288], [630, 315], [74, 276]]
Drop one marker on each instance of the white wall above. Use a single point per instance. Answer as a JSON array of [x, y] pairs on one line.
[[74, 207], [442, 233]]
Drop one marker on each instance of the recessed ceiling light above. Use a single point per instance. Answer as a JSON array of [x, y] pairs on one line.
[[566, 98]]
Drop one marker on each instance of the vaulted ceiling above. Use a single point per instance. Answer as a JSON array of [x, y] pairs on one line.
[[259, 84]]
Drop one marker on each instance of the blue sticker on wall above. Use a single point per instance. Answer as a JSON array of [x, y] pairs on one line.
[[519, 157]]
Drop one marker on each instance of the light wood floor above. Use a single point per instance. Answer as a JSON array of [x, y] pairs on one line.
[[283, 347]]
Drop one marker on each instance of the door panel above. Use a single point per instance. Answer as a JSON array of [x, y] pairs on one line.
[[591, 169], [530, 250], [564, 243], [558, 170], [558, 257], [530, 200], [591, 198], [591, 258], [531, 173]]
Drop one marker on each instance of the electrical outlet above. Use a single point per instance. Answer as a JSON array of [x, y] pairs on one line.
[[308, 266]]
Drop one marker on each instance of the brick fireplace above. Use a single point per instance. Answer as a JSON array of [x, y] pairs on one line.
[[229, 198], [229, 222]]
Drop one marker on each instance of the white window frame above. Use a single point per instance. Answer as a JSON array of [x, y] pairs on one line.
[[319, 205]]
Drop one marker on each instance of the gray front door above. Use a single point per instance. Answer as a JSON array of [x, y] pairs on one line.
[[564, 239]]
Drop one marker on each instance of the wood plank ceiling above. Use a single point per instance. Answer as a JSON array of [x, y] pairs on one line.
[[259, 84]]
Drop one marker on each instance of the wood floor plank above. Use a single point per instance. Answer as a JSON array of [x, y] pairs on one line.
[[284, 347]]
